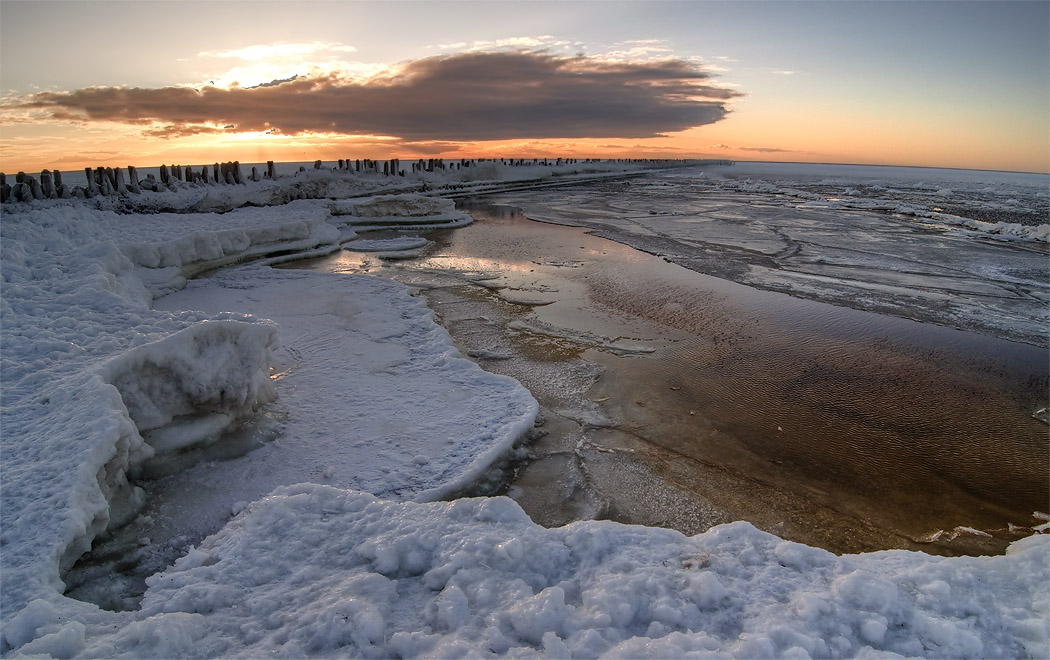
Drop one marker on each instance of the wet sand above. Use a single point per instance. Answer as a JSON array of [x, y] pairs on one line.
[[677, 399]]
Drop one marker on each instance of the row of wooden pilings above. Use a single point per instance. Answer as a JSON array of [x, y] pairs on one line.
[[107, 181], [392, 167]]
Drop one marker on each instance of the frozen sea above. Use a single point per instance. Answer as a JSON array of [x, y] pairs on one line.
[[291, 450], [839, 369], [938, 246]]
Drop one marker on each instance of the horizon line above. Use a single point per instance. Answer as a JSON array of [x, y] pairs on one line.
[[578, 158]]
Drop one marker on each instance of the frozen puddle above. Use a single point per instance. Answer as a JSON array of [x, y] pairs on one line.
[[370, 396]]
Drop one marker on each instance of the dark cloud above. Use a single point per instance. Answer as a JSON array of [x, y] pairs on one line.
[[181, 130], [274, 83], [471, 96]]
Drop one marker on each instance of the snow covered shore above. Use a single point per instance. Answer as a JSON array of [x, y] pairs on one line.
[[99, 388]]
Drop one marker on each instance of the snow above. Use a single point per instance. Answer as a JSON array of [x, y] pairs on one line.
[[407, 417], [117, 364], [317, 571], [897, 182]]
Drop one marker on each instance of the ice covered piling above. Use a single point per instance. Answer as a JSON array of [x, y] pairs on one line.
[[103, 181]]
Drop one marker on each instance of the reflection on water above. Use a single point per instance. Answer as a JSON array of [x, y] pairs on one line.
[[826, 425]]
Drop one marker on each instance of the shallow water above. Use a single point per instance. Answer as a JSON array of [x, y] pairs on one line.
[[680, 399]]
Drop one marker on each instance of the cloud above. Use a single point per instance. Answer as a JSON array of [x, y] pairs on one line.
[[270, 51], [639, 49], [464, 97], [509, 43], [274, 83], [768, 150]]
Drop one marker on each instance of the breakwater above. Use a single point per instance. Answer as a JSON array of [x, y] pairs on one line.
[[109, 181]]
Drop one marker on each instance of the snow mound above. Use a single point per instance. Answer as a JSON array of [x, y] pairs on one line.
[[313, 571], [99, 387], [408, 206], [406, 211], [372, 391]]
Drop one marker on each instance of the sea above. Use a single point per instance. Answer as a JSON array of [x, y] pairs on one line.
[[852, 357]]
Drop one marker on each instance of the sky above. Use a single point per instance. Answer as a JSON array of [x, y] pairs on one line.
[[939, 84]]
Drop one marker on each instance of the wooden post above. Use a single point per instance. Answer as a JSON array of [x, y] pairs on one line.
[[133, 180], [121, 188], [235, 169], [270, 173], [47, 188], [21, 192], [317, 164], [92, 187], [215, 171], [5, 190]]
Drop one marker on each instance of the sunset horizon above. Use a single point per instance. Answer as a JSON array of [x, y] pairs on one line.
[[512, 329], [958, 85]]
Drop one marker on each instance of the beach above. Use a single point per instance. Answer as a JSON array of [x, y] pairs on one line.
[[286, 461]]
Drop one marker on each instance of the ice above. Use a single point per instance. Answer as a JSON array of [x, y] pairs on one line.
[[957, 248], [407, 417], [388, 245], [312, 570], [89, 368], [102, 374], [614, 345]]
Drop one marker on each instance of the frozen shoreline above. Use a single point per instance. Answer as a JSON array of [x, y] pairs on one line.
[[860, 238], [90, 371]]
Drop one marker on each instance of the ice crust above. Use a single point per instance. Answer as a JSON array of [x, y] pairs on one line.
[[313, 571], [373, 393], [914, 183], [890, 240], [97, 382]]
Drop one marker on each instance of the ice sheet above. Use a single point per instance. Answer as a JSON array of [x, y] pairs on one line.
[[964, 249]]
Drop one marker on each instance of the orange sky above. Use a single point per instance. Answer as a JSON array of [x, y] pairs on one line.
[[926, 84]]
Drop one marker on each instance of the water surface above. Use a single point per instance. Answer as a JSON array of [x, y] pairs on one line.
[[681, 399]]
